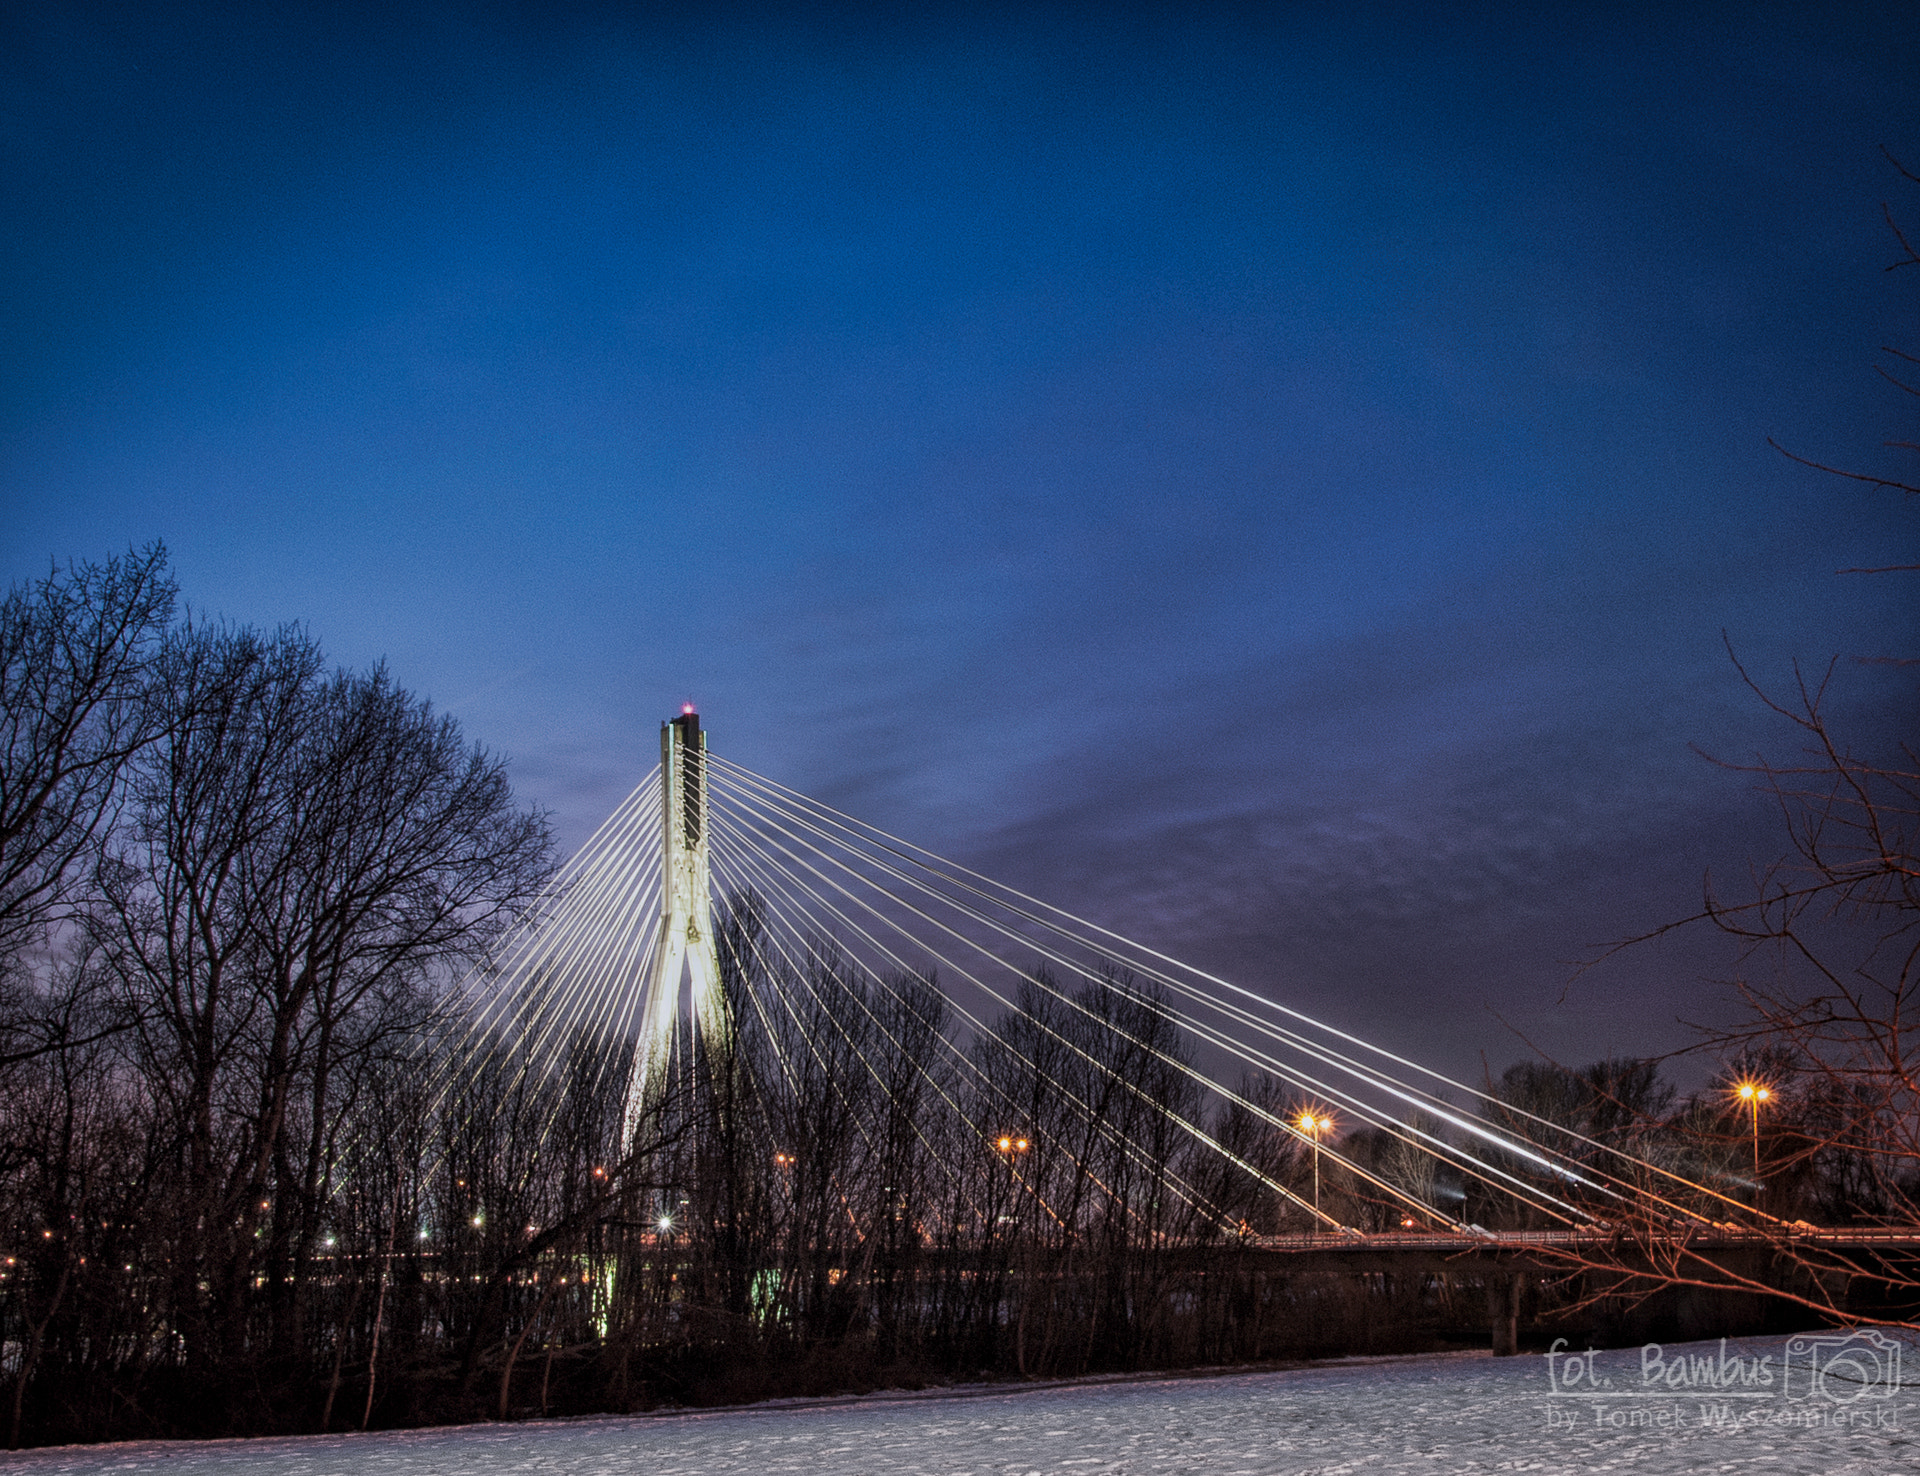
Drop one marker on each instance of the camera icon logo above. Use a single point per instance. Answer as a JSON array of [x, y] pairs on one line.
[[1841, 1368]]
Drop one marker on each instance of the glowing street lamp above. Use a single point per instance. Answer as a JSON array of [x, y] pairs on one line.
[[1012, 1149], [1315, 1124], [1753, 1093]]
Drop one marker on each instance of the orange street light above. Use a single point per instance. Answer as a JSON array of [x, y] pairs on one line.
[[1754, 1093], [1011, 1149], [1315, 1124]]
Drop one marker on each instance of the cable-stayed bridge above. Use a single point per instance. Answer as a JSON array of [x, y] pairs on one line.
[[727, 951]]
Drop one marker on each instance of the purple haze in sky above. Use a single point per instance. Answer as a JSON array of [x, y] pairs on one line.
[[1270, 479]]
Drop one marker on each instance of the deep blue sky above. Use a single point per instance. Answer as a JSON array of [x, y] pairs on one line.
[[1273, 479]]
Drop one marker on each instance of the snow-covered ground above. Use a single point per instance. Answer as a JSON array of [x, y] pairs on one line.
[[1703, 1407]]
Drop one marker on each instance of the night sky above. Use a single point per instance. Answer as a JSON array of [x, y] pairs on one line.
[[1271, 479]]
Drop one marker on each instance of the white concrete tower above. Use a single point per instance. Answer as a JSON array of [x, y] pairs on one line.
[[686, 940]]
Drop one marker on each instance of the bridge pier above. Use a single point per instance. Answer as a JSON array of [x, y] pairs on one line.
[[1504, 1289]]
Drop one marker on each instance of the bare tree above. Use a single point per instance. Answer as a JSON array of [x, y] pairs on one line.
[[75, 649], [1900, 376], [300, 846], [1830, 966], [1816, 1107]]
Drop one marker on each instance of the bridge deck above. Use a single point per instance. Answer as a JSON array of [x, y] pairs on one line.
[[1444, 1243]]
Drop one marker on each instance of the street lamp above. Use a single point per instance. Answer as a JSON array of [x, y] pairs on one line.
[[1753, 1093], [1314, 1124], [1012, 1149]]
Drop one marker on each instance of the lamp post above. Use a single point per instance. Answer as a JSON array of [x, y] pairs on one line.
[[1012, 1149], [1314, 1123], [1753, 1093]]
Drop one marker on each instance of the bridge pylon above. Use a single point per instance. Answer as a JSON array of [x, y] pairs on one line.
[[685, 942]]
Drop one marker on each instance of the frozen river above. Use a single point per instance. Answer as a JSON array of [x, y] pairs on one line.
[[1750, 1406]]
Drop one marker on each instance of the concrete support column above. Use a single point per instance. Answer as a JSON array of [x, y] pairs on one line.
[[1504, 1289]]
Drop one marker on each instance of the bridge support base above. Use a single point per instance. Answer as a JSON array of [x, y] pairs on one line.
[[1503, 1310]]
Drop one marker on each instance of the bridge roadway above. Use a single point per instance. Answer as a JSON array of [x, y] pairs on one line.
[[1401, 1250], [1505, 1259]]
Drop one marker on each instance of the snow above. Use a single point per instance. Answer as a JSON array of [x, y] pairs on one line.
[[1433, 1414]]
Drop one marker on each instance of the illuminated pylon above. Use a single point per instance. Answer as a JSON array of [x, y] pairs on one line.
[[686, 920]]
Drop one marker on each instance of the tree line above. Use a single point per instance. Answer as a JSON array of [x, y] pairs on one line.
[[256, 1173], [230, 878]]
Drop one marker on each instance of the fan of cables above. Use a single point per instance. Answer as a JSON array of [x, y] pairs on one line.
[[858, 963]]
